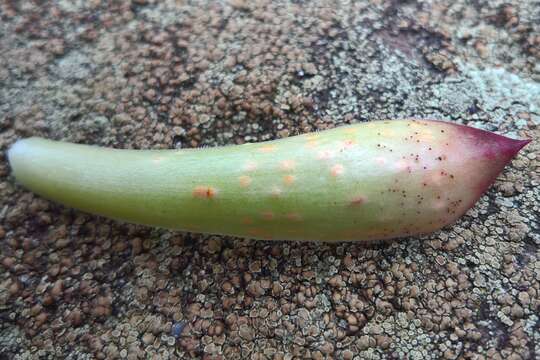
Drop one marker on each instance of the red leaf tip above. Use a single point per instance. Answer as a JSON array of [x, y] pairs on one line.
[[507, 147], [493, 146]]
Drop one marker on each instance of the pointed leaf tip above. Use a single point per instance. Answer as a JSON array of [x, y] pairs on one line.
[[520, 144], [492, 146], [507, 147]]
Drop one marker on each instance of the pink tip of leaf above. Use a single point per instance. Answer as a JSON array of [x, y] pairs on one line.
[[491, 145]]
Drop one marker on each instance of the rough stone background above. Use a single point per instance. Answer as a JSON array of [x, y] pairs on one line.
[[175, 74]]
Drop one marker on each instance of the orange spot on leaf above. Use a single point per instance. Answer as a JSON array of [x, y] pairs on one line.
[[358, 201], [289, 179], [294, 217], [245, 181], [347, 144], [247, 220], [250, 166], [325, 155], [287, 165], [267, 148], [312, 144], [337, 170], [267, 215], [204, 192]]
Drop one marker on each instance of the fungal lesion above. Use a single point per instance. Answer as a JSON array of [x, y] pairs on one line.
[[347, 144], [296, 217], [250, 166], [289, 179], [357, 201], [267, 215], [325, 154], [287, 165], [205, 192], [337, 170], [245, 181], [311, 144], [269, 148]]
